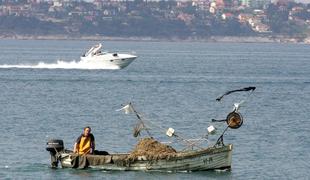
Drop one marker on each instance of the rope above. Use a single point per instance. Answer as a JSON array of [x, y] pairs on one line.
[[188, 142], [178, 137]]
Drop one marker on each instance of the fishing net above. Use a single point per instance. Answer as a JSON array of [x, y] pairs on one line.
[[151, 150], [137, 129]]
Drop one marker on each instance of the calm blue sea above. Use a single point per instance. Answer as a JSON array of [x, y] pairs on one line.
[[173, 84]]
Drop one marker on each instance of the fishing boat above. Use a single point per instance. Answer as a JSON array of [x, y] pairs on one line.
[[218, 157], [96, 56], [195, 158]]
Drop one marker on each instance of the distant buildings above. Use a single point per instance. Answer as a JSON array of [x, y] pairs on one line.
[[198, 16], [255, 3]]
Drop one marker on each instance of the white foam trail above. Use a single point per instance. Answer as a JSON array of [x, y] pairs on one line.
[[61, 65]]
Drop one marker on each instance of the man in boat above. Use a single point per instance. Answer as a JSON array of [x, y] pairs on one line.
[[85, 143]]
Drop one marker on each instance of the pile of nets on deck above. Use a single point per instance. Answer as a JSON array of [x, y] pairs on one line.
[[151, 150]]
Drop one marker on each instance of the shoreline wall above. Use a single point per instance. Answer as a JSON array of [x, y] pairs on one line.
[[228, 39]]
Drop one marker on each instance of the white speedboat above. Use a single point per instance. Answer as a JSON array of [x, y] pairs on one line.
[[106, 59]]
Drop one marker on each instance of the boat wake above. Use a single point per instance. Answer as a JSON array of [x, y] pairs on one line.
[[61, 65]]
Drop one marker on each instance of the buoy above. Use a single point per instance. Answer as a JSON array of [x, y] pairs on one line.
[[234, 120]]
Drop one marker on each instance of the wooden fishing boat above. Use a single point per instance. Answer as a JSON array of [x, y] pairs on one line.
[[151, 155], [217, 157]]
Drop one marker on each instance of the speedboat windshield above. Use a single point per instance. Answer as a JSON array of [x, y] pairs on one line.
[[94, 50]]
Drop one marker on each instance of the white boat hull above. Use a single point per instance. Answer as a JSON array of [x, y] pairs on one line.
[[207, 159], [109, 60]]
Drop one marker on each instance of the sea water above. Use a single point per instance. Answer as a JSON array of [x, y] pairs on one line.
[[46, 93]]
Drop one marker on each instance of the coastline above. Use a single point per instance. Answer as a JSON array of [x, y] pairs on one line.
[[214, 39]]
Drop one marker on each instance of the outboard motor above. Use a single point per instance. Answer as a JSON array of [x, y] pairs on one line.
[[54, 146]]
